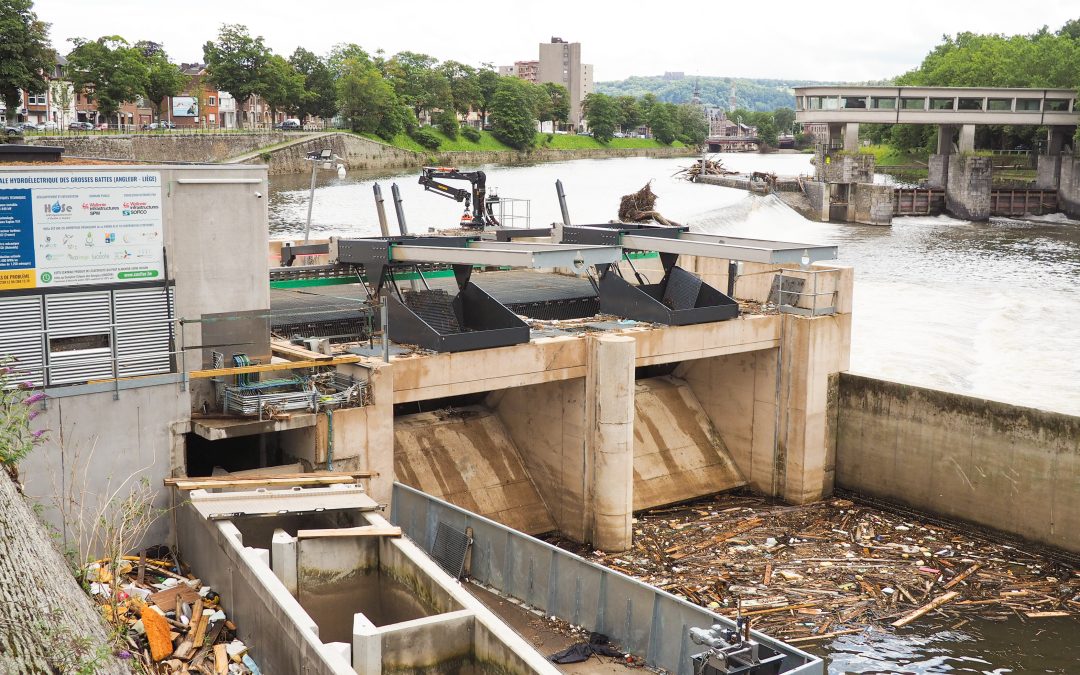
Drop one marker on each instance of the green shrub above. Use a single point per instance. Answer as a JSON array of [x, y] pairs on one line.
[[471, 133], [426, 138], [448, 124]]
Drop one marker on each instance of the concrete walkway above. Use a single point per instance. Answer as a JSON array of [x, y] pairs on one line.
[[293, 140]]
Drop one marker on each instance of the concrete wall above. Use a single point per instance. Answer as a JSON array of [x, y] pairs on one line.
[[938, 167], [817, 193], [1069, 190], [846, 167], [467, 457], [1048, 172], [1005, 467], [871, 204], [967, 194], [161, 147]]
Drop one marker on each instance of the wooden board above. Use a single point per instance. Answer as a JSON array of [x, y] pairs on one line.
[[288, 350], [271, 367], [272, 480], [167, 599], [365, 531]]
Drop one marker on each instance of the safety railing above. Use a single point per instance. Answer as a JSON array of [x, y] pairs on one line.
[[807, 292]]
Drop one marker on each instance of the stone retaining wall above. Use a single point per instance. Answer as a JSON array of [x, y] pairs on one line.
[[205, 148]]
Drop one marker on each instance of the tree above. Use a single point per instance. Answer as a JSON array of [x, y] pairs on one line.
[[367, 101], [62, 96], [320, 94], [416, 82], [662, 122], [25, 54], [630, 116], [602, 113], [281, 86], [163, 79], [464, 85], [235, 62], [766, 130], [487, 82], [690, 125], [559, 108], [784, 118], [447, 122], [512, 118], [108, 69]]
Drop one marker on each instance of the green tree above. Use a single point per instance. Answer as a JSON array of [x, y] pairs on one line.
[[281, 86], [417, 83], [766, 130], [559, 110], [690, 125], [603, 114], [342, 53], [662, 122], [25, 54], [108, 69], [541, 102], [367, 101], [447, 122], [464, 85], [163, 79], [512, 117], [320, 94], [235, 62], [630, 115], [487, 83], [784, 118]]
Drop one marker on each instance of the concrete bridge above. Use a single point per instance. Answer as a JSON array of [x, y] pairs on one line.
[[953, 109]]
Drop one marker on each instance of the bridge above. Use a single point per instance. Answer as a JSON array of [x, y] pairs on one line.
[[952, 108]]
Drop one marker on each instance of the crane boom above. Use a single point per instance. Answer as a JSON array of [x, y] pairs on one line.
[[480, 215]]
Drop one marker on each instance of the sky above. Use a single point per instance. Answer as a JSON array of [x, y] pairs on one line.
[[836, 40]]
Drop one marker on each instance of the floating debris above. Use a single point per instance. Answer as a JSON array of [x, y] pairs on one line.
[[638, 207], [704, 167], [812, 572]]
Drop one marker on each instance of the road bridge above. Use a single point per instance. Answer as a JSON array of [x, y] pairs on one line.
[[954, 109]]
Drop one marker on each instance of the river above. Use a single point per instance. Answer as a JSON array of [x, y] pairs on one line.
[[985, 309]]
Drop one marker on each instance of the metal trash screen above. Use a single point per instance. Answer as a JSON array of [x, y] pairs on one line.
[[449, 549]]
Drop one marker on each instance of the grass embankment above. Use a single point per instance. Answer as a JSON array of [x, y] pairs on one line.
[[886, 155], [489, 143]]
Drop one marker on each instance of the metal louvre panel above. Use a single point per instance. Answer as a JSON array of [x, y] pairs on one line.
[[143, 331], [78, 314], [22, 323]]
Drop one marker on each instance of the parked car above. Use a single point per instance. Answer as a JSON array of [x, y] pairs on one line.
[[13, 131], [292, 124], [163, 124], [80, 126], [26, 126], [48, 126]]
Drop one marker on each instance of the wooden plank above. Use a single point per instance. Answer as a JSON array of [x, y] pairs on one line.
[[279, 480], [364, 531], [1045, 615], [926, 609], [288, 350], [963, 575], [271, 367], [221, 660], [168, 598]]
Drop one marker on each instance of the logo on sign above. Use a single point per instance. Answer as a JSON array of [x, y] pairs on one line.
[[46, 277], [57, 207]]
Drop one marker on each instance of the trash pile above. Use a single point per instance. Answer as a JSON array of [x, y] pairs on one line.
[[638, 207], [172, 623], [812, 572], [705, 167]]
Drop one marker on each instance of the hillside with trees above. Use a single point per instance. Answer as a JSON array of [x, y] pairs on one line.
[[750, 94]]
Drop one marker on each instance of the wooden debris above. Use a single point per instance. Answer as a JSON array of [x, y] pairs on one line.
[[705, 167], [833, 567], [639, 207], [157, 635], [271, 480], [926, 609], [362, 531]]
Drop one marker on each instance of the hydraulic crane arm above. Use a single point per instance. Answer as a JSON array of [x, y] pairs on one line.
[[481, 215]]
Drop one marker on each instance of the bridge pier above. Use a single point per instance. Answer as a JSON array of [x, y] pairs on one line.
[[967, 191], [1048, 172], [1069, 188], [955, 138], [848, 132]]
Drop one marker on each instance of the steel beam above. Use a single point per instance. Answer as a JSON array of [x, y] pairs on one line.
[[508, 254], [730, 248]]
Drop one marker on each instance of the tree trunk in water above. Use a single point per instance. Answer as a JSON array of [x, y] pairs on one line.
[[47, 623]]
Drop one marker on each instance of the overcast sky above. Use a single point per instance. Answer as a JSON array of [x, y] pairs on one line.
[[838, 40]]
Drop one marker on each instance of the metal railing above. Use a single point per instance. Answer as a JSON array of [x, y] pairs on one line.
[[513, 212], [642, 619], [793, 298]]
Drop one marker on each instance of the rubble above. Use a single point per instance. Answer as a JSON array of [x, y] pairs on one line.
[[638, 207], [811, 572], [173, 623], [704, 167]]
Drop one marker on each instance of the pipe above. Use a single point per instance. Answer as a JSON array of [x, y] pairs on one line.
[[384, 227], [398, 209], [311, 200], [562, 202]]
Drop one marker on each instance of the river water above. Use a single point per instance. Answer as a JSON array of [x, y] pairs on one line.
[[985, 309]]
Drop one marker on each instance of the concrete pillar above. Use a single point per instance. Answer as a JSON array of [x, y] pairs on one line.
[[260, 554], [283, 559], [1048, 172], [967, 194], [938, 166], [1069, 188], [851, 136], [967, 138], [836, 132], [946, 139], [812, 349], [366, 646], [380, 433], [609, 441], [1057, 138]]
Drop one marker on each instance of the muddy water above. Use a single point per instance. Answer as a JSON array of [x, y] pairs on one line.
[[381, 598], [984, 309]]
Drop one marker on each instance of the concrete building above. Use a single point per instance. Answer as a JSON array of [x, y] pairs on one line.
[[559, 62]]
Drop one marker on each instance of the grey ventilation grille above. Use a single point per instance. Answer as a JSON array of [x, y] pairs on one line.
[[450, 548]]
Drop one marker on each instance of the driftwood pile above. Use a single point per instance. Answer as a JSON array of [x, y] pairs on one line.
[[173, 623], [809, 573], [707, 167], [639, 207]]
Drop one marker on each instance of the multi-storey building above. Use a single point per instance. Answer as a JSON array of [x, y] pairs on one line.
[[559, 62]]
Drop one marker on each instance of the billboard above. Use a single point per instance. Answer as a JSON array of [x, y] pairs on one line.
[[98, 227], [185, 106]]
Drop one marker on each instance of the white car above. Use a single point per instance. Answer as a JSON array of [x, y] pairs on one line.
[[48, 126]]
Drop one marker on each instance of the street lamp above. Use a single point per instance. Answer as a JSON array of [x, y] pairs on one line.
[[320, 159]]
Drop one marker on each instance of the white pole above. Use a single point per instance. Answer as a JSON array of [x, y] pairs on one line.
[[311, 198]]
